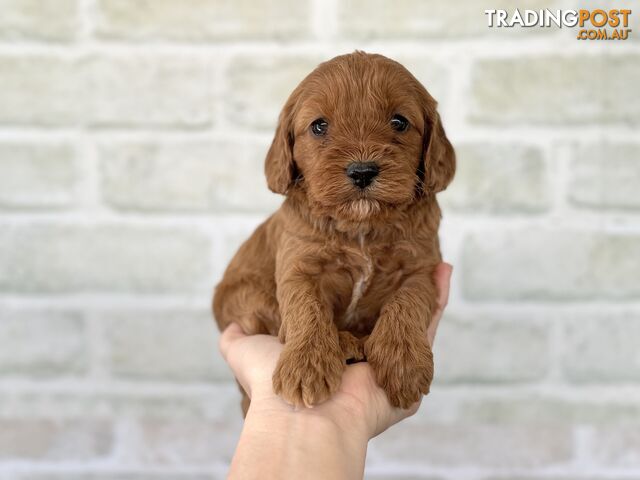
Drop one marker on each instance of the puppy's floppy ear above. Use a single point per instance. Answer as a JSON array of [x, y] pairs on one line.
[[279, 166], [439, 156]]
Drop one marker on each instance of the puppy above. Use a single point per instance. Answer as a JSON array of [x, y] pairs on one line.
[[343, 271]]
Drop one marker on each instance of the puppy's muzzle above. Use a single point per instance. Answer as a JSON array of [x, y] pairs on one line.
[[362, 173]]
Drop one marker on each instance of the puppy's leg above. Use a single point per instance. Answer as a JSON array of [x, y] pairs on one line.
[[397, 349], [248, 304], [352, 347], [247, 293], [310, 366]]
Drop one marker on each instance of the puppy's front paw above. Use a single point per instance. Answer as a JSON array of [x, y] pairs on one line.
[[404, 369], [352, 347], [307, 376]]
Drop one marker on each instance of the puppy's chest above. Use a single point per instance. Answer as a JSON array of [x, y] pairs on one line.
[[371, 273]]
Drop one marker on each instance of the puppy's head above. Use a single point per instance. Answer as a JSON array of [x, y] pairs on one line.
[[361, 137]]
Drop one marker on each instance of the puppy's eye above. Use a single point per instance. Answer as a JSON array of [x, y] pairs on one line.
[[319, 127], [399, 123]]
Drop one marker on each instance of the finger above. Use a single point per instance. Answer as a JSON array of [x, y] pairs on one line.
[[443, 279], [232, 333], [251, 358], [233, 349]]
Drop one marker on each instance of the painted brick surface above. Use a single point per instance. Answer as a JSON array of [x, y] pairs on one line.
[[40, 20], [38, 175], [42, 344], [552, 264], [605, 176], [555, 90], [186, 176], [201, 20], [132, 141], [499, 179], [51, 258]]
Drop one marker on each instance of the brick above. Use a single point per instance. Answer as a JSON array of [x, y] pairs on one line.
[[584, 359], [148, 91], [259, 86], [42, 344], [201, 20], [427, 19], [185, 442], [498, 179], [54, 441], [116, 91], [41, 175], [121, 474], [555, 90], [114, 258], [50, 20], [473, 445], [39, 90], [480, 349], [395, 475], [186, 176], [596, 405], [552, 264], [165, 345], [606, 175], [616, 446], [215, 402], [535, 409], [552, 477]]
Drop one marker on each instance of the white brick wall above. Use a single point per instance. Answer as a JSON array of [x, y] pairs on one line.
[[132, 135]]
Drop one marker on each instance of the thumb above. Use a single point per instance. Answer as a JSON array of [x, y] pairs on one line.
[[443, 278]]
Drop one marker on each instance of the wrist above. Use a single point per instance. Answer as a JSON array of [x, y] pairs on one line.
[[305, 440], [338, 417]]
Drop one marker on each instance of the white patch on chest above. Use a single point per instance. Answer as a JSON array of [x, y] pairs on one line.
[[360, 285]]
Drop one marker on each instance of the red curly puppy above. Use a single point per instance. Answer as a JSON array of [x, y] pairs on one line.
[[344, 269]]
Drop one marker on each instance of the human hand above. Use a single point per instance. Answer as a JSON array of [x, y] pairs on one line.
[[359, 405]]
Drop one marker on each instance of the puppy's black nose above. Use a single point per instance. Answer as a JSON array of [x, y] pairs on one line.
[[362, 173]]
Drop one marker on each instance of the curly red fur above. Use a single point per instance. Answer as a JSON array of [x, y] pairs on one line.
[[340, 272]]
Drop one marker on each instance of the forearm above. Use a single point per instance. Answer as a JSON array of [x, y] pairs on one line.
[[296, 444]]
